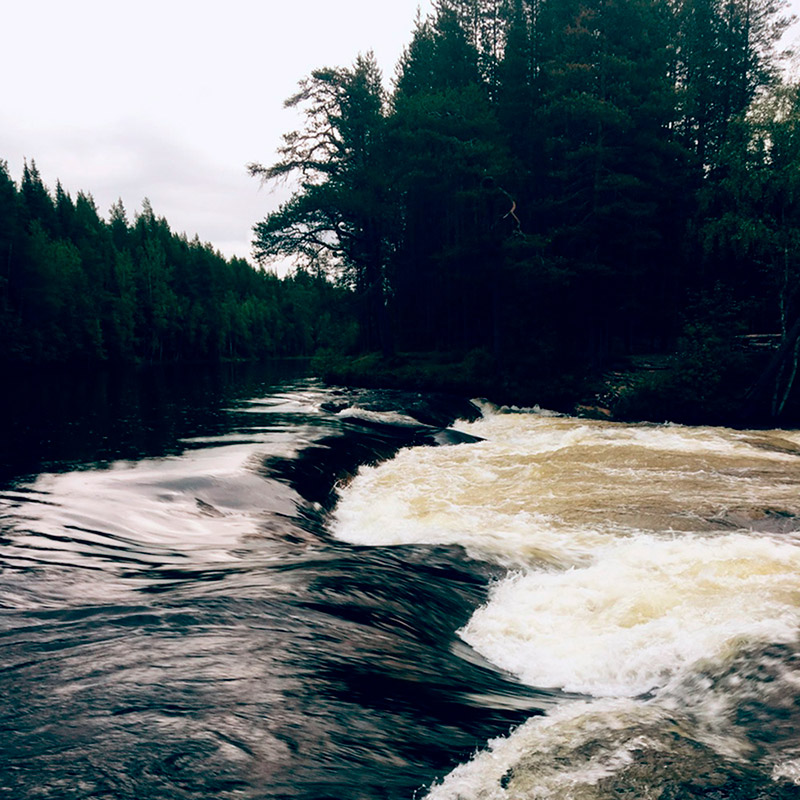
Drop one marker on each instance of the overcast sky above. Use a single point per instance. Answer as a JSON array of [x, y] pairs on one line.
[[170, 99]]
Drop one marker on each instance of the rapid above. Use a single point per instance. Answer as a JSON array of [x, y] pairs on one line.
[[318, 593], [651, 573]]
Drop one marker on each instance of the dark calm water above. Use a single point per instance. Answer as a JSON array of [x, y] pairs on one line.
[[235, 583], [176, 621]]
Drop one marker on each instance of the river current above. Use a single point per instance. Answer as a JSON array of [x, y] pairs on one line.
[[290, 591]]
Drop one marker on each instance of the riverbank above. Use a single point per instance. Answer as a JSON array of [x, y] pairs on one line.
[[474, 374], [705, 388]]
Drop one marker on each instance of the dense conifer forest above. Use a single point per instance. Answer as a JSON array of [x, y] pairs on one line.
[[75, 288], [550, 185], [545, 189]]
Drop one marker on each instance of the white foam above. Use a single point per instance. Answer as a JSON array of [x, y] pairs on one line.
[[563, 755], [636, 566], [538, 425], [455, 495], [645, 611], [788, 771], [555, 490]]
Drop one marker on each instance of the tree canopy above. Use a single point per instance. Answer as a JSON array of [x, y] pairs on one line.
[[77, 288], [552, 182]]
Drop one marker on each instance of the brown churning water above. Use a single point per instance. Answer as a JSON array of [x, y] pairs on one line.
[[652, 569]]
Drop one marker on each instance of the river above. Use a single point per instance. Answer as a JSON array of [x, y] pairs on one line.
[[241, 584]]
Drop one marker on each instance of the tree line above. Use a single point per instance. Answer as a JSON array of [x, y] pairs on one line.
[[77, 288], [550, 184]]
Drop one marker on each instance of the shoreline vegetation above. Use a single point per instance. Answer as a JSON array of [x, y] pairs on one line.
[[78, 289], [589, 206], [649, 388], [550, 194]]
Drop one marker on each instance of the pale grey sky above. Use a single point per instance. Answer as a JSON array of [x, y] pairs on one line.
[[169, 99]]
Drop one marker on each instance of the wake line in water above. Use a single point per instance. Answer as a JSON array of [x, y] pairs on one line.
[[186, 626], [643, 562]]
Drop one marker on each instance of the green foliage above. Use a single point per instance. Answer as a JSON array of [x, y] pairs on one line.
[[548, 184], [545, 189], [705, 379], [341, 213], [75, 288], [472, 374]]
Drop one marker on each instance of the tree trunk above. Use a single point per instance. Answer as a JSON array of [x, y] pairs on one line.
[[773, 372]]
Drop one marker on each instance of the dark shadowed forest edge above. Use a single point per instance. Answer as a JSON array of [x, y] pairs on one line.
[[585, 204], [553, 189], [76, 289]]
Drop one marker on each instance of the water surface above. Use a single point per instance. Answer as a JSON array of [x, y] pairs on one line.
[[177, 620], [241, 584], [652, 572]]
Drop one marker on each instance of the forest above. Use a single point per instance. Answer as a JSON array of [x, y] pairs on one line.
[[77, 289], [543, 191], [551, 185]]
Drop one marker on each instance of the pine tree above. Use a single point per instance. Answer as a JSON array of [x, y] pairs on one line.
[[342, 208], [726, 51], [35, 200]]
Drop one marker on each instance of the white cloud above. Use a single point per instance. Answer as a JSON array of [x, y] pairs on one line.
[[170, 99]]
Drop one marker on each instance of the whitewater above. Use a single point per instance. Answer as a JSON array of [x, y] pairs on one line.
[[648, 573]]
